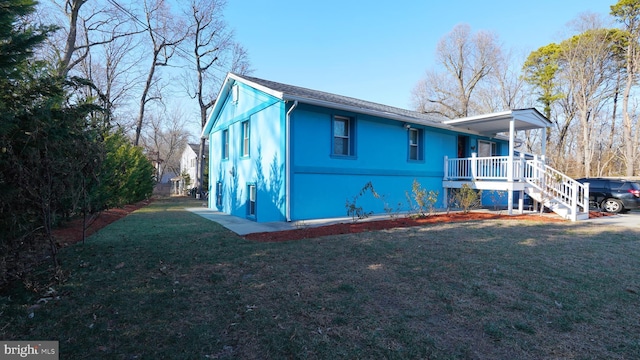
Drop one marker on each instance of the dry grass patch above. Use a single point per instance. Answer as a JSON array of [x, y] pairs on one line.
[[483, 290]]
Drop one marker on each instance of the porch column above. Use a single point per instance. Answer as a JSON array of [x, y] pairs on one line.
[[512, 130], [543, 149]]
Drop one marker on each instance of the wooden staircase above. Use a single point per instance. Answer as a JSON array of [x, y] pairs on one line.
[[556, 191]]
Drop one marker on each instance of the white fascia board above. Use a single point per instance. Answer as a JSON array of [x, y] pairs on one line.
[[264, 89], [227, 84], [217, 106], [532, 116], [387, 115], [360, 110], [484, 117]]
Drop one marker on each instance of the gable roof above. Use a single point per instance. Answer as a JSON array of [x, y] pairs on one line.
[[196, 147], [321, 98], [287, 92]]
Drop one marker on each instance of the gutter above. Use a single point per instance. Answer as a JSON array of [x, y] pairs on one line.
[[287, 162]]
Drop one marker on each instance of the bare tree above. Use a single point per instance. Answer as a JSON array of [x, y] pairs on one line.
[[215, 52], [467, 59], [165, 138], [588, 68], [99, 24], [628, 13], [165, 32]]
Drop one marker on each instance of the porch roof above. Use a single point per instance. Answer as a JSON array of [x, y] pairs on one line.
[[491, 124]]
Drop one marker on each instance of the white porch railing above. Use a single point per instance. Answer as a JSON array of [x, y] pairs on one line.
[[483, 168], [544, 184]]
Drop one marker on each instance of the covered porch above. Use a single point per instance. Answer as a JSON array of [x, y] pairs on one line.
[[522, 173]]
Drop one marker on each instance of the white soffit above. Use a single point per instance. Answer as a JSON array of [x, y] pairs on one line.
[[491, 124]]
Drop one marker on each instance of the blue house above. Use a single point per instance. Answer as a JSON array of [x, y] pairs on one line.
[[285, 153]]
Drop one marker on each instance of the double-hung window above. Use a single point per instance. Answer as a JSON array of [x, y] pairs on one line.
[[245, 138], [225, 144], [342, 136], [415, 144]]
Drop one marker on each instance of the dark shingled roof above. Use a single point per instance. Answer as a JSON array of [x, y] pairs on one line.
[[300, 93], [196, 148]]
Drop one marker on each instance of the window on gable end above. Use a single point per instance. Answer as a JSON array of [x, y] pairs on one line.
[[235, 93], [225, 144], [246, 143]]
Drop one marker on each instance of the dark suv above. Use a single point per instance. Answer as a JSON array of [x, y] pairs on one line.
[[613, 195]]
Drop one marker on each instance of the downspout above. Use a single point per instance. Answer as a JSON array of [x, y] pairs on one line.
[[287, 162]]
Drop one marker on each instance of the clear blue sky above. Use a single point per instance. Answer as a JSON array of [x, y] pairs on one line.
[[378, 50]]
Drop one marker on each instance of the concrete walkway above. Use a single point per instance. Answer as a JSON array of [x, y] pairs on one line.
[[243, 227]]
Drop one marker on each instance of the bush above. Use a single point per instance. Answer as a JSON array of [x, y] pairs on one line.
[[466, 198], [425, 201]]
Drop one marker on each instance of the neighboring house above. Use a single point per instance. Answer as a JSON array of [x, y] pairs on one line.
[[285, 153], [188, 168]]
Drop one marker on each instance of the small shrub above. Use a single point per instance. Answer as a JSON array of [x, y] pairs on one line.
[[357, 212], [466, 198], [424, 200]]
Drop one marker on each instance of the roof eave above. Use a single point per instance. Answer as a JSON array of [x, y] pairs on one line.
[[360, 110]]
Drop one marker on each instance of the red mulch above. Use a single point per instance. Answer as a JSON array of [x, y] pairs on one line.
[[71, 232], [352, 228]]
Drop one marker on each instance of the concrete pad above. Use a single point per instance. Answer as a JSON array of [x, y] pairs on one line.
[[239, 225]]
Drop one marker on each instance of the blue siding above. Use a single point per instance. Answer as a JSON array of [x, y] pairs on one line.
[[321, 182], [264, 166]]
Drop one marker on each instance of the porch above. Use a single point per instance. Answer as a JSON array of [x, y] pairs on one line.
[[525, 174]]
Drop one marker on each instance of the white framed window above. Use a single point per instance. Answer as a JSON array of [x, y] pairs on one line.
[[342, 136], [415, 144], [251, 208], [235, 93], [225, 144], [246, 142], [487, 148]]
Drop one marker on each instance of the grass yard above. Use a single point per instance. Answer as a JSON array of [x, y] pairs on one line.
[[165, 283]]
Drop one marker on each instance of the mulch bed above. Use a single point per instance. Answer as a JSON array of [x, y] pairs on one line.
[[352, 228], [71, 232]]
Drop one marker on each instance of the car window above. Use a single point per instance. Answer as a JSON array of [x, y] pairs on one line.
[[593, 183], [635, 186], [623, 186]]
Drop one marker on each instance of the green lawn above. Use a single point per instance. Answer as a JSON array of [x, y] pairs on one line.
[[165, 283]]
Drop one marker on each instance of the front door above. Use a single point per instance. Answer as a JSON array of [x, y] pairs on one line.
[[463, 166], [463, 144]]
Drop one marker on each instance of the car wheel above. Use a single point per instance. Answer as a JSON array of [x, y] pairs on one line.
[[612, 206]]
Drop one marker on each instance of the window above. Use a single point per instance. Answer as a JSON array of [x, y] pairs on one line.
[[225, 144], [251, 209], [487, 148], [415, 144], [245, 138], [219, 195], [342, 136], [235, 93]]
